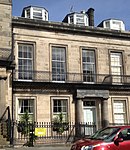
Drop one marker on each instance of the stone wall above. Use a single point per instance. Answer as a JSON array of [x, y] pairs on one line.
[[5, 26], [5, 49], [43, 40]]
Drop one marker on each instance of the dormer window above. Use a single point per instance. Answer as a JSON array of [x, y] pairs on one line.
[[35, 13], [77, 18], [113, 24], [83, 18]]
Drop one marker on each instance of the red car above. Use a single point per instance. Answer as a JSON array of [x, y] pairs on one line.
[[109, 138]]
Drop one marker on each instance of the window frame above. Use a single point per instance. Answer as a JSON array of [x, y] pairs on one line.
[[125, 134], [37, 11], [18, 58], [18, 114], [89, 76], [64, 75], [117, 78], [121, 99], [53, 114]]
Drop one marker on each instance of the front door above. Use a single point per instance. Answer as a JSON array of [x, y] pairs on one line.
[[89, 119]]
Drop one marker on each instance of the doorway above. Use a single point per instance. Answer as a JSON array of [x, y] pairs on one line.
[[90, 114], [89, 111]]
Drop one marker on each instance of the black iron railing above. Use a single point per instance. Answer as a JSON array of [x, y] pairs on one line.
[[46, 76], [48, 132]]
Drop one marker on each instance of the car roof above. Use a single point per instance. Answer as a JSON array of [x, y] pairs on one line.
[[120, 126]]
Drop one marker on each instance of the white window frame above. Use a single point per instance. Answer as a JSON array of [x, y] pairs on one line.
[[120, 110], [24, 72], [89, 77], [38, 11], [65, 114], [78, 18], [18, 114], [116, 65], [57, 65]]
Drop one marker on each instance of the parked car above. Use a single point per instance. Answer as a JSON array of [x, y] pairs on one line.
[[109, 138]]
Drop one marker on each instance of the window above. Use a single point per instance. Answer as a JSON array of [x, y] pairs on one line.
[[26, 105], [116, 66], [28, 13], [88, 103], [107, 23], [119, 109], [116, 25], [25, 61], [88, 62], [58, 64], [71, 19], [60, 106], [37, 13], [80, 19], [125, 134]]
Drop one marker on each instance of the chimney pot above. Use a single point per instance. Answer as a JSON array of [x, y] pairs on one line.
[[90, 14]]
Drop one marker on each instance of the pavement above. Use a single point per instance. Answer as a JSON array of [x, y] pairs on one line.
[[41, 147]]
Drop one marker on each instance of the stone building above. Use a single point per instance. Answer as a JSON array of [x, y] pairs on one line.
[[5, 53], [81, 71]]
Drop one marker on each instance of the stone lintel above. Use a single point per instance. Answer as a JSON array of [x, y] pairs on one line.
[[93, 93]]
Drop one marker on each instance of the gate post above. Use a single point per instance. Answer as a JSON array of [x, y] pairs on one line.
[[12, 133], [31, 134]]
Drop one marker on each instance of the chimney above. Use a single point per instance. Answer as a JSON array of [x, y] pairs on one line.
[[90, 14]]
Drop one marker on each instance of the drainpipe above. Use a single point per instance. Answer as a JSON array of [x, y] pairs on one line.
[[12, 106]]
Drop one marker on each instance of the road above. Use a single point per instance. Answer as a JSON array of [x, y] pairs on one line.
[[49, 147]]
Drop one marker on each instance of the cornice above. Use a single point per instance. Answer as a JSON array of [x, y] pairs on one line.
[[21, 22]]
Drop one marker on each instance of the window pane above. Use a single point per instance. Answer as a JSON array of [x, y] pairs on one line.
[[88, 62], [58, 64], [25, 61], [26, 105], [116, 67], [60, 106], [119, 109]]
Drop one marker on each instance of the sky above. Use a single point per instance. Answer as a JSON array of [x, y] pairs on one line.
[[58, 9]]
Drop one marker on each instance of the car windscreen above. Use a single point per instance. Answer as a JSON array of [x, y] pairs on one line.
[[106, 134]]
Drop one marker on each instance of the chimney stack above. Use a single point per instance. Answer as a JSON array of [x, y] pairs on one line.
[[90, 14]]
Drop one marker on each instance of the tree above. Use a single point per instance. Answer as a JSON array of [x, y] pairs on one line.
[[23, 125]]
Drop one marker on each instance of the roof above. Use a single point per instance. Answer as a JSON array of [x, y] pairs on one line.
[[120, 126]]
